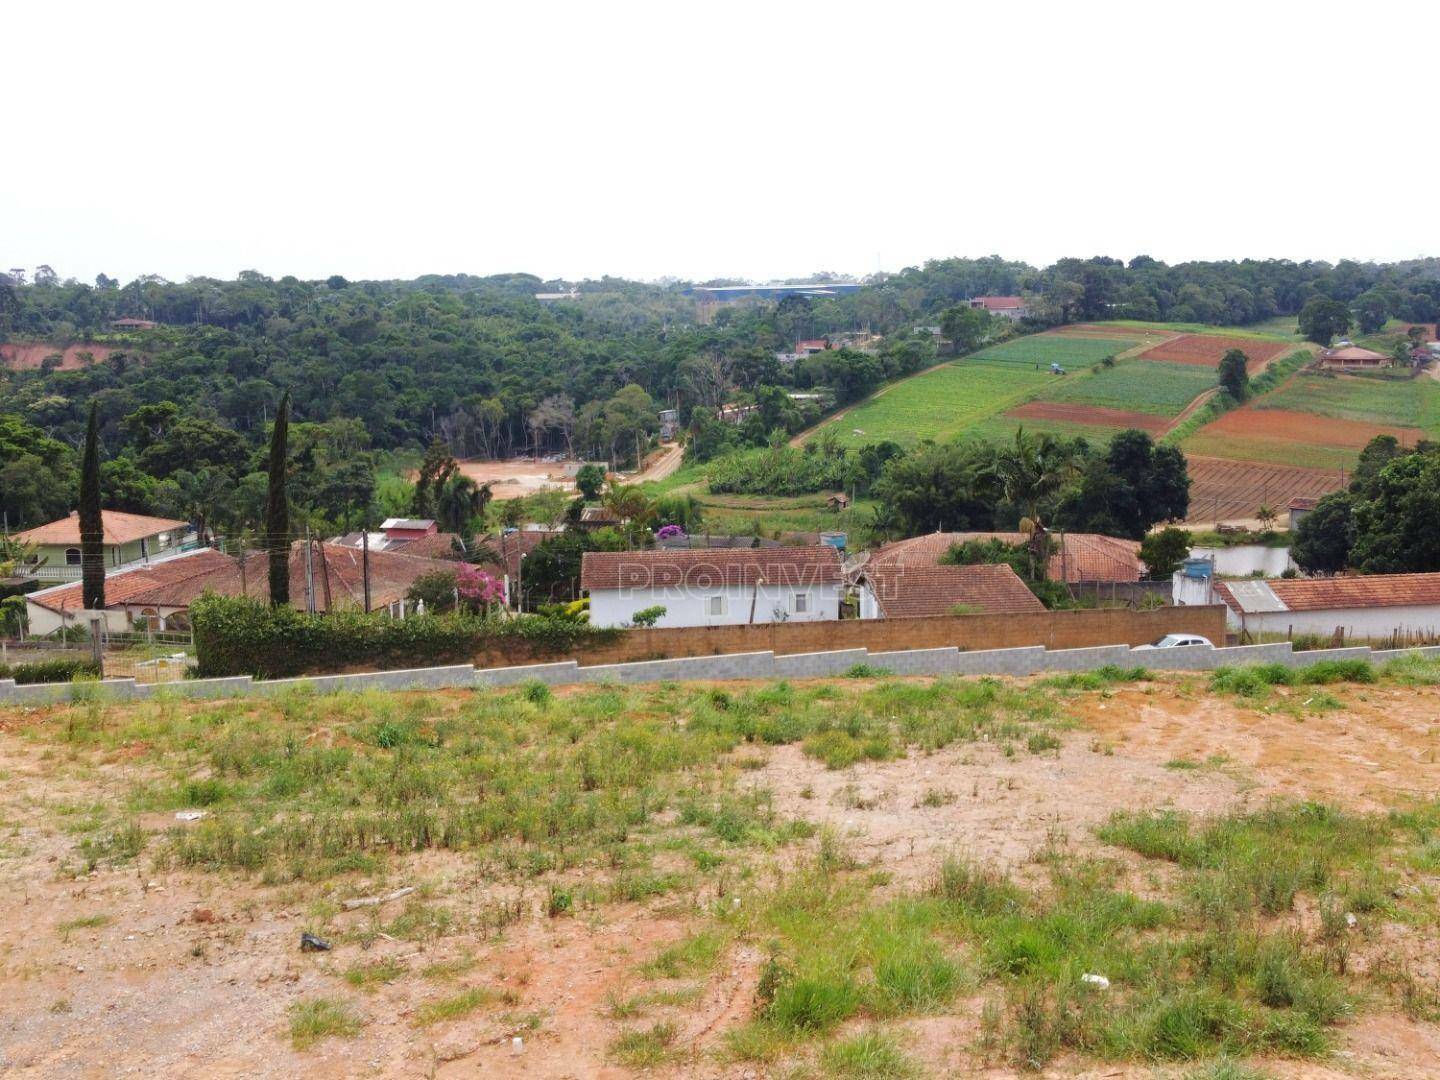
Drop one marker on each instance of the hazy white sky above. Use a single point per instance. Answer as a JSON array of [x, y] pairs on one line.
[[700, 140]]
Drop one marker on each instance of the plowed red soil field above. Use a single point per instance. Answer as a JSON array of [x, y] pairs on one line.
[[1108, 330], [1207, 349], [1090, 414], [28, 355], [1223, 490], [1299, 427]]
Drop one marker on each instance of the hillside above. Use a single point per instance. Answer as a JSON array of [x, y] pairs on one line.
[[852, 878]]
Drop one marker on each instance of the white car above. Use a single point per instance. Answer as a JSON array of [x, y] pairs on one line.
[[1174, 641]]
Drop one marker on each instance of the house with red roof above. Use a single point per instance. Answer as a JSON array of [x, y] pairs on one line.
[[1366, 607], [1007, 307], [714, 586], [1077, 557], [892, 590], [128, 540], [158, 594]]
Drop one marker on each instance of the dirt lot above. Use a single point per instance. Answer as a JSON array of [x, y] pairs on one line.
[[190, 973], [1090, 414], [519, 477], [29, 355], [1224, 490]]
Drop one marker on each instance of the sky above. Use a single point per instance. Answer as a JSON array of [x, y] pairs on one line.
[[689, 140]]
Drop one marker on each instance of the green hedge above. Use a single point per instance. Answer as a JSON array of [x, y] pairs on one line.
[[59, 670], [236, 636]]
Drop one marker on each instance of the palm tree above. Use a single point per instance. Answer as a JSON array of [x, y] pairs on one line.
[[1031, 470], [460, 501], [1266, 515]]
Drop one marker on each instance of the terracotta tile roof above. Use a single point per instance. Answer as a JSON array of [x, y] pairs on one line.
[[508, 547], [1303, 502], [907, 592], [440, 545], [998, 303], [711, 568], [1359, 591], [120, 528], [1082, 556], [338, 574], [1354, 354]]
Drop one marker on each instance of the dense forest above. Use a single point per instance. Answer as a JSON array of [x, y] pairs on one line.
[[481, 367]]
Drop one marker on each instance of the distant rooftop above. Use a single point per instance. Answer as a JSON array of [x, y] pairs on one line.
[[773, 292]]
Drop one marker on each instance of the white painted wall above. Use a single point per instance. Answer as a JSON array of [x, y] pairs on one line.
[[690, 607], [869, 606], [1243, 560], [1361, 623]]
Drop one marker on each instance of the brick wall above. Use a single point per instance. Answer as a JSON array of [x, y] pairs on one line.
[[1052, 629]]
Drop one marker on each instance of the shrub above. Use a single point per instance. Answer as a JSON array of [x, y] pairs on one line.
[[238, 636], [648, 617], [49, 671]]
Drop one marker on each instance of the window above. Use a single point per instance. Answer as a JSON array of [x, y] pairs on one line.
[[715, 605], [72, 556], [800, 602]]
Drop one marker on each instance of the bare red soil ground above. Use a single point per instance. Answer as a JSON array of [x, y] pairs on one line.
[[189, 973], [1207, 349], [1286, 426], [29, 355], [1224, 490], [518, 477], [1090, 414]]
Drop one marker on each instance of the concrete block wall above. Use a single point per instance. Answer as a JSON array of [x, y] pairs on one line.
[[1024, 660], [551, 674], [817, 664], [756, 665], [1085, 659], [1021, 660], [918, 661]]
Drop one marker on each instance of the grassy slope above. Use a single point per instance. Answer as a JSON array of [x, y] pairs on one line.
[[1403, 401]]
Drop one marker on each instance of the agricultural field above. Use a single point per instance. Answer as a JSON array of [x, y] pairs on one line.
[[1223, 490], [1069, 351], [866, 877], [1206, 350], [1136, 386], [939, 403], [1397, 400]]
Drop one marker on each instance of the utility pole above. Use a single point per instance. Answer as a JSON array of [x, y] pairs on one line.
[[309, 575], [241, 554], [365, 564]]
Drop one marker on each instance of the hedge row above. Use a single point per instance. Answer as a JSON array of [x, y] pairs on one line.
[[237, 636], [41, 671]]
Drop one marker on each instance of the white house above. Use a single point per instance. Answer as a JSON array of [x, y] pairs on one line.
[[714, 586], [1374, 607]]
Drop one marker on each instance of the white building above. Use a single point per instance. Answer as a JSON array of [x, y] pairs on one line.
[[1370, 607], [714, 586]]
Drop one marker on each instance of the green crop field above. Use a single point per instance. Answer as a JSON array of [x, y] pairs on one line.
[[1207, 443], [1137, 385], [1375, 399], [1047, 349], [1002, 429], [940, 403]]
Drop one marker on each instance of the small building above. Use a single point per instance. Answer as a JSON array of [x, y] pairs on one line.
[[1006, 307], [598, 517], [1368, 607], [715, 586], [837, 502], [556, 297], [408, 528], [1299, 508], [129, 540], [159, 594], [1347, 357], [132, 324], [890, 591], [811, 347], [669, 424]]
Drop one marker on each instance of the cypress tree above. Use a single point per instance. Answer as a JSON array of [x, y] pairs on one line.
[[277, 509], [92, 527]]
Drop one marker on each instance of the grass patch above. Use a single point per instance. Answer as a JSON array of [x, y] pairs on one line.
[[870, 1055], [315, 1019], [645, 1048], [455, 1005], [88, 922]]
